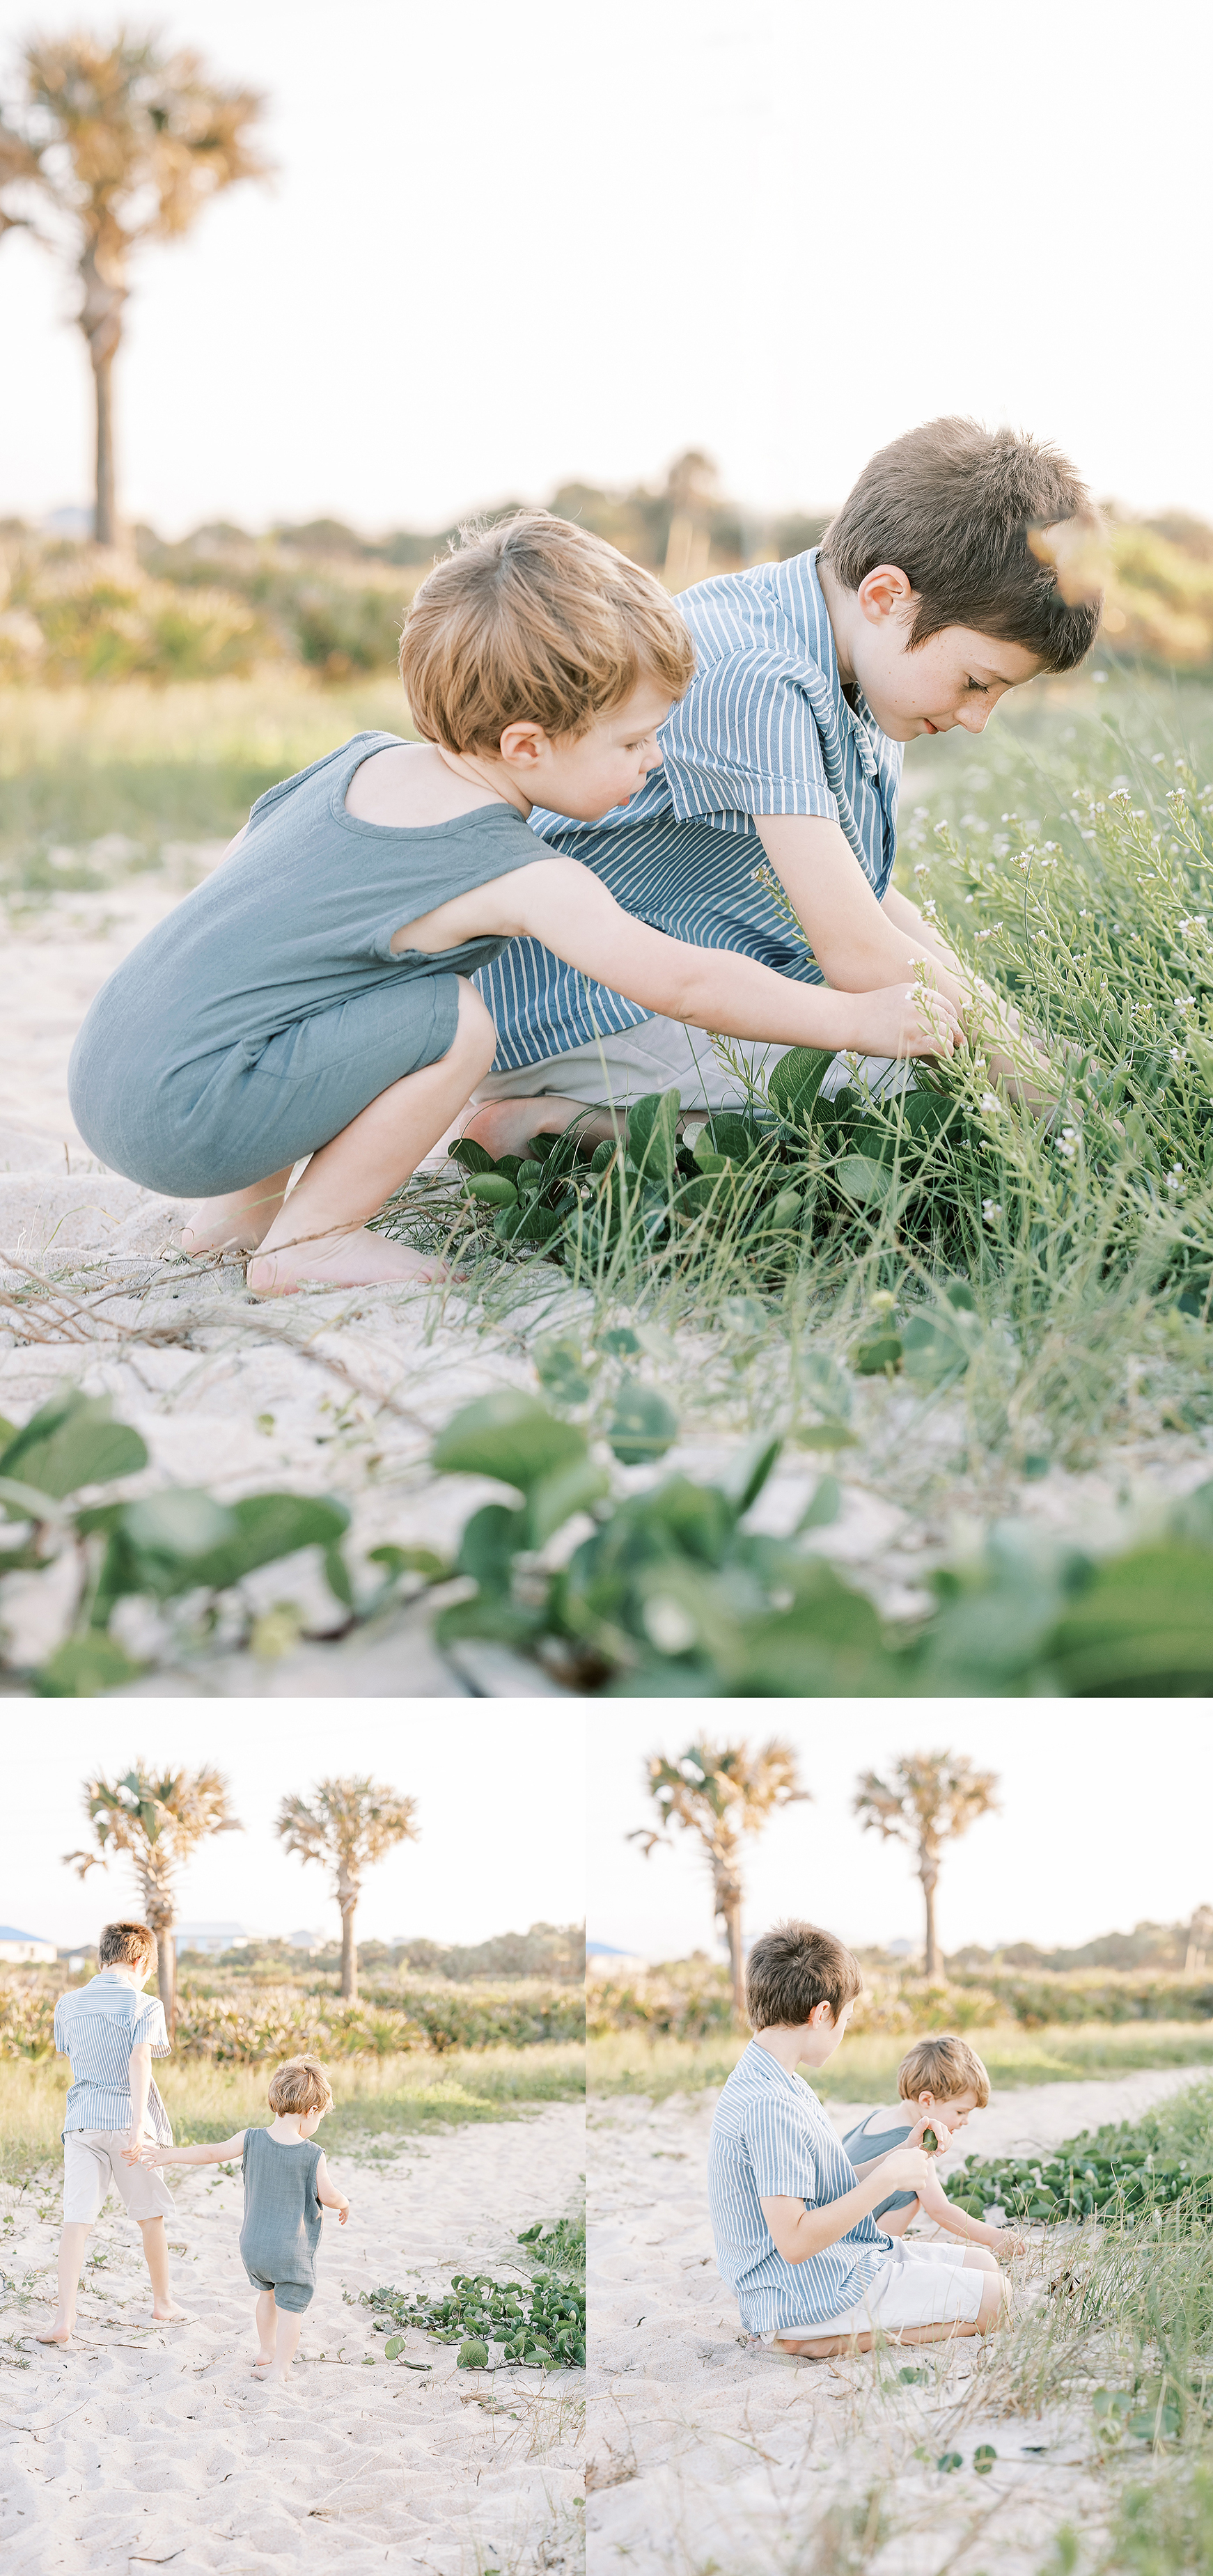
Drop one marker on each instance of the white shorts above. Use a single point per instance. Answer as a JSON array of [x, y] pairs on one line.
[[661, 1055], [916, 2285], [92, 2160]]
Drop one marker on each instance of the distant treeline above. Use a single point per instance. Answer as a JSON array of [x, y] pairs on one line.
[[224, 601], [553, 1951]]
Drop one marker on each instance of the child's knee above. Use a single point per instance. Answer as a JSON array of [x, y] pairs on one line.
[[475, 1036]]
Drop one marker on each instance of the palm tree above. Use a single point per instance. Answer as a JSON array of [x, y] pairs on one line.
[[929, 1799], [157, 1819], [722, 1792], [350, 1824], [117, 143]]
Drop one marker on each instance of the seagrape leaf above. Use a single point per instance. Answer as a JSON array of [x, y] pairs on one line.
[[861, 1178], [795, 1081], [643, 1425], [180, 1540], [72, 1441], [728, 1133], [653, 1134], [621, 1342], [508, 1435], [527, 1224], [84, 1666], [561, 1367], [492, 1190], [932, 1352], [785, 1211], [472, 1157], [880, 1351], [551, 1502], [1145, 1623]]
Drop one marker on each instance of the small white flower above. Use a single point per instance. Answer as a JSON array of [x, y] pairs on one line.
[[922, 870], [1177, 1055], [991, 1210], [991, 1103]]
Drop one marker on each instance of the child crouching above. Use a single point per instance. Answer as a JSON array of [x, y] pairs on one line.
[[286, 2185], [939, 2082]]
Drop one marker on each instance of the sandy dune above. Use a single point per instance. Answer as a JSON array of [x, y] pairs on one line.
[[707, 2449], [143, 2446]]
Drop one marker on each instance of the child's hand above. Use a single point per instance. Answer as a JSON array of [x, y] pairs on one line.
[[907, 2169], [906, 1019], [934, 2122], [343, 2213], [1004, 2241]]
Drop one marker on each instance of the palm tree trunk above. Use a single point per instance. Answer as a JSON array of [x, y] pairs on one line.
[[105, 522], [349, 1955], [931, 1961]]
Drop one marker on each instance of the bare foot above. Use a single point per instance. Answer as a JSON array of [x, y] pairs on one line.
[[357, 1260], [170, 2317], [235, 1223], [507, 1126], [55, 2334], [264, 2361]]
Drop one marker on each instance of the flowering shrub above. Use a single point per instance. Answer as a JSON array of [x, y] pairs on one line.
[[278, 2022]]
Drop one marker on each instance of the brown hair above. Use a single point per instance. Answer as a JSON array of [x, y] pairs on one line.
[[300, 2085], [945, 2067], [793, 1968], [124, 1945], [956, 507], [536, 621]]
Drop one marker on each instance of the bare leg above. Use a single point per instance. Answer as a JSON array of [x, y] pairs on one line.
[[238, 1222], [320, 1233], [995, 2310], [290, 2327], [267, 2329], [155, 2255], [507, 1126], [71, 2255], [896, 2221]]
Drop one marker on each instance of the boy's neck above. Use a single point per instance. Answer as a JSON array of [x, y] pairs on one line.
[[481, 769], [840, 605], [286, 2125]]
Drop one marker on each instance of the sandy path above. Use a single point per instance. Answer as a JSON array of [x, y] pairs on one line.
[[706, 2447], [149, 2447]]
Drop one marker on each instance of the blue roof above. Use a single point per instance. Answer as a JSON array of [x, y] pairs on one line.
[[9, 1932]]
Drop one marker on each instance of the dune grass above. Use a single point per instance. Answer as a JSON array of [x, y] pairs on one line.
[[865, 2068], [375, 2102]]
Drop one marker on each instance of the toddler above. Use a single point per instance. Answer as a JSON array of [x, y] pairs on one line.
[[286, 2185], [942, 2080]]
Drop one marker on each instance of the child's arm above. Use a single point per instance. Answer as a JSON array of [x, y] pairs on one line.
[[229, 2151], [935, 2206], [328, 2196], [569, 908], [800, 2233]]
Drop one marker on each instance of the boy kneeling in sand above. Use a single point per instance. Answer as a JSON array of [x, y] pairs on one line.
[[286, 2185], [943, 2080], [794, 2231]]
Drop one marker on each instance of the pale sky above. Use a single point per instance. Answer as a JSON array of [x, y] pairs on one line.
[[1104, 1822], [512, 247], [501, 1811]]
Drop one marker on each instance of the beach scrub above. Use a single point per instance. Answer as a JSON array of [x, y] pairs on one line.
[[286, 2188], [312, 1000]]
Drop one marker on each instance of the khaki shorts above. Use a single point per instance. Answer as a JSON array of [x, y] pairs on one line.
[[92, 2160], [916, 2285], [661, 1055]]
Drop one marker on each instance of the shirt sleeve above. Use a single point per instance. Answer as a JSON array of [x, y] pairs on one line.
[[781, 2155], [744, 740], [149, 2025], [61, 2045]]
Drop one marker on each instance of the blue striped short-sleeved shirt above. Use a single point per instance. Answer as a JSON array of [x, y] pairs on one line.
[[763, 729], [771, 2139], [97, 2026]]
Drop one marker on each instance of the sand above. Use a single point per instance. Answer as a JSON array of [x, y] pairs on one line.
[[708, 2449], [342, 1391], [149, 2446]]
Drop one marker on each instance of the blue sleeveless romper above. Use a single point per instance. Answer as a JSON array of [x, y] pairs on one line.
[[267, 1010], [282, 2218]]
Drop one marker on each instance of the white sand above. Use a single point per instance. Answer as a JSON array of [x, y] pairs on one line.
[[145, 2446], [709, 2450]]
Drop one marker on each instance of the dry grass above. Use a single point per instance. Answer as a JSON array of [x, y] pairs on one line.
[[865, 2068]]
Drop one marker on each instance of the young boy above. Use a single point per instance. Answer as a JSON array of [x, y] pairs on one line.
[[286, 2185], [942, 2080], [794, 2231], [923, 605], [111, 2031], [312, 998]]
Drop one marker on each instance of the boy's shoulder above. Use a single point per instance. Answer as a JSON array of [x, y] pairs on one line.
[[757, 2081], [774, 608]]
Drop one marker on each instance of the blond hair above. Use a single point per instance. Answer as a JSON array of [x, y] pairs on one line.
[[300, 2085], [945, 2067], [535, 621], [127, 1945]]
